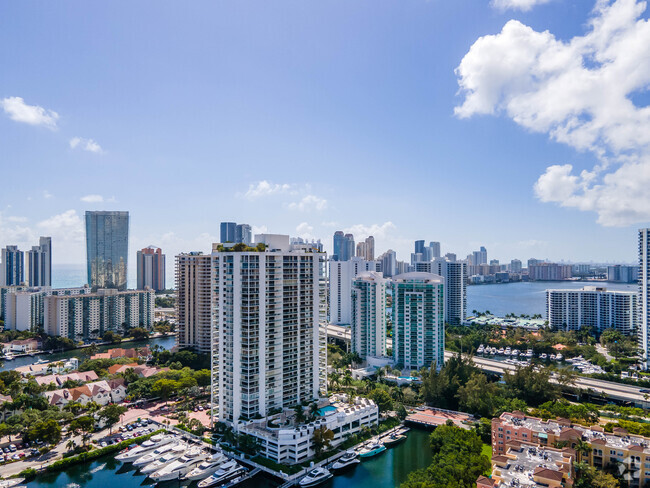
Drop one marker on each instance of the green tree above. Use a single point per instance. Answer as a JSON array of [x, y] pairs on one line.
[[457, 460], [300, 413], [203, 377], [382, 399], [49, 431], [112, 337], [84, 426], [139, 333], [112, 414], [164, 388], [322, 439], [477, 396]]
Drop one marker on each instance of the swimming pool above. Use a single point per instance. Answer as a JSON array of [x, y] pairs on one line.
[[326, 410], [408, 378]]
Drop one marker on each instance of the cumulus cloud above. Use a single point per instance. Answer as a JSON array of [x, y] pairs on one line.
[[376, 230], [92, 199], [19, 111], [265, 188], [309, 202], [66, 226], [524, 5], [580, 92], [305, 230], [85, 144]]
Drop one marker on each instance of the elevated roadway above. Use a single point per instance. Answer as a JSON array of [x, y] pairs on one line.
[[606, 389]]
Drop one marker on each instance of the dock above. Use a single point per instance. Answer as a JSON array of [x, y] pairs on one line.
[[433, 417]]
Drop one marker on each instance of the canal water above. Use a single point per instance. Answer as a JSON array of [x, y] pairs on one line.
[[387, 470], [166, 342]]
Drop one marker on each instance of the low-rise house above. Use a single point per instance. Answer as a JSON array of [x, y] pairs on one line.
[[102, 392], [142, 370], [60, 379], [526, 465], [54, 367], [282, 441], [24, 345], [118, 352]]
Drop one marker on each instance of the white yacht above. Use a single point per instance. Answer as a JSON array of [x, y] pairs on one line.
[[180, 467], [151, 456], [559, 357], [147, 446], [543, 356], [174, 453], [529, 353], [481, 349], [552, 357], [315, 477], [226, 472], [350, 458], [507, 351], [500, 351], [206, 468]]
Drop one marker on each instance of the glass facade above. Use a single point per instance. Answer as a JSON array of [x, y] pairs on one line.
[[107, 247]]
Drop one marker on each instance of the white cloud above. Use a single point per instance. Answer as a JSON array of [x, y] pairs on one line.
[[19, 111], [309, 202], [523, 5], [67, 226], [579, 92], [380, 231], [305, 230], [86, 144], [16, 219], [265, 188], [47, 195], [92, 199]]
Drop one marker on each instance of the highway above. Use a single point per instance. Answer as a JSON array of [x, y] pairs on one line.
[[608, 389]]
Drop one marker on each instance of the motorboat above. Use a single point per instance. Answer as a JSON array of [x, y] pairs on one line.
[[507, 351], [394, 439], [227, 471], [147, 446], [207, 467], [552, 357], [41, 361], [372, 449], [169, 457], [315, 477], [9, 356], [11, 482], [500, 351], [529, 353], [559, 357], [151, 456], [543, 356], [180, 467], [481, 349], [349, 459]]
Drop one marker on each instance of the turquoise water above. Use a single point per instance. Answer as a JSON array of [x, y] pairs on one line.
[[323, 411], [524, 298], [387, 470]]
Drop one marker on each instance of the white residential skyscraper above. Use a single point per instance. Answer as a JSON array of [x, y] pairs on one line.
[[341, 274], [644, 293], [455, 276], [369, 314], [269, 349], [592, 307], [418, 320]]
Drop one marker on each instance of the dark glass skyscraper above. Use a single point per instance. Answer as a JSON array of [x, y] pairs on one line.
[[107, 248], [228, 231]]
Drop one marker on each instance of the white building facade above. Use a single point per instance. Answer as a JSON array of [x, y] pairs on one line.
[[592, 306], [644, 295], [454, 274], [368, 325], [341, 275], [269, 311], [194, 301]]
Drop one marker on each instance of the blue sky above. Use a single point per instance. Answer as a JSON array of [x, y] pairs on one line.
[[304, 118]]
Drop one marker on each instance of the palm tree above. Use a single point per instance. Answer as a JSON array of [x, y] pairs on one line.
[[380, 373], [583, 449], [335, 376], [313, 410], [71, 445], [397, 393], [300, 413], [347, 378]]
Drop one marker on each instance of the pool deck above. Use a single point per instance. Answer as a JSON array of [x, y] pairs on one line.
[[433, 417]]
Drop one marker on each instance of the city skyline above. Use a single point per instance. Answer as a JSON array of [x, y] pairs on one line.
[[314, 95]]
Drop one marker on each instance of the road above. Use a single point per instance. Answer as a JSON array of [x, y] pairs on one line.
[[608, 389]]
